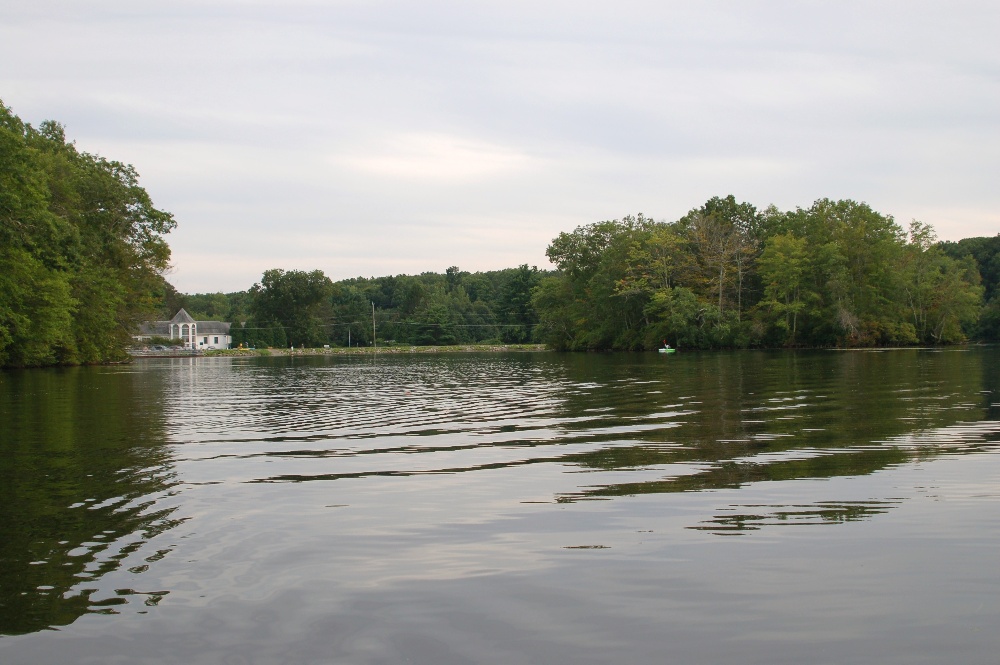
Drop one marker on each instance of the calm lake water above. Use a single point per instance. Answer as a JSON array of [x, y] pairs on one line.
[[820, 507]]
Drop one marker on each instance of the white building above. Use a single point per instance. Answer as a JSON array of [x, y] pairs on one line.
[[196, 335]]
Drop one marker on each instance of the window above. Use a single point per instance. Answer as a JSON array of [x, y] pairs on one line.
[[206, 341], [216, 341]]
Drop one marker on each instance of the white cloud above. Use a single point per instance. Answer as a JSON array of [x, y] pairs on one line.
[[434, 157]]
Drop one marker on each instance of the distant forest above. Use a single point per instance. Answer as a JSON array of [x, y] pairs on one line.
[[726, 275], [297, 308], [83, 257]]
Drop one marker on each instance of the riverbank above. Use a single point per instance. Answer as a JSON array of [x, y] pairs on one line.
[[368, 350]]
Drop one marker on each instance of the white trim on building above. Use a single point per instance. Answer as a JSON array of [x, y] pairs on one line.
[[196, 335]]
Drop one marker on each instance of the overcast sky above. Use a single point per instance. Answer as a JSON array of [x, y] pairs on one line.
[[375, 138]]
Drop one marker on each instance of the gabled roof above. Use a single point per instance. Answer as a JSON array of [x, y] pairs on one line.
[[182, 317], [162, 328]]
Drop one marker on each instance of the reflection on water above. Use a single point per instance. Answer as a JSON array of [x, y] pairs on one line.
[[752, 517], [211, 483], [698, 423], [85, 487]]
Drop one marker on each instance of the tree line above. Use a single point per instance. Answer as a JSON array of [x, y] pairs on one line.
[[725, 275], [82, 251], [306, 308], [728, 275], [83, 254]]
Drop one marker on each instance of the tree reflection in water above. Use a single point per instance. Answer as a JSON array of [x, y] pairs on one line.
[[83, 477]]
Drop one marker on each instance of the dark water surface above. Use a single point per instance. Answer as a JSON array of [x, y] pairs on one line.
[[820, 507]]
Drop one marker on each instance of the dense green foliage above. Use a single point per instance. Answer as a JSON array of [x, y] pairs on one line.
[[81, 249], [296, 303], [308, 309], [986, 253], [725, 275], [728, 275]]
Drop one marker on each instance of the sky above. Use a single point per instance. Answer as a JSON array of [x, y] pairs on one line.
[[381, 137]]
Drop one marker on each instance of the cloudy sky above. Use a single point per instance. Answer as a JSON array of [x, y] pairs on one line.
[[374, 138]]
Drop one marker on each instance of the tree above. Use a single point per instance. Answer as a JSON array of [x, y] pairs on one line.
[[435, 325], [207, 306], [351, 314], [36, 310], [783, 267], [604, 308], [854, 287], [553, 300], [724, 236], [662, 260], [82, 243], [678, 317], [514, 307], [985, 251], [297, 302], [943, 294]]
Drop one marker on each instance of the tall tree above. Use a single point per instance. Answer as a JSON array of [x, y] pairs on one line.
[[298, 302], [784, 265], [725, 238], [985, 251], [594, 260], [514, 308], [943, 294], [82, 244]]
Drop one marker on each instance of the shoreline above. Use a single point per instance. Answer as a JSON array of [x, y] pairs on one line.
[[368, 350], [467, 348]]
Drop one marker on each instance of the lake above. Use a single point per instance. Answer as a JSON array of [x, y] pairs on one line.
[[535, 508]]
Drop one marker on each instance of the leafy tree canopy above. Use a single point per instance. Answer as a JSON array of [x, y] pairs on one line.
[[82, 249]]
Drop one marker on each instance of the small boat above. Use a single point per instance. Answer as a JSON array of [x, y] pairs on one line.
[[667, 350]]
